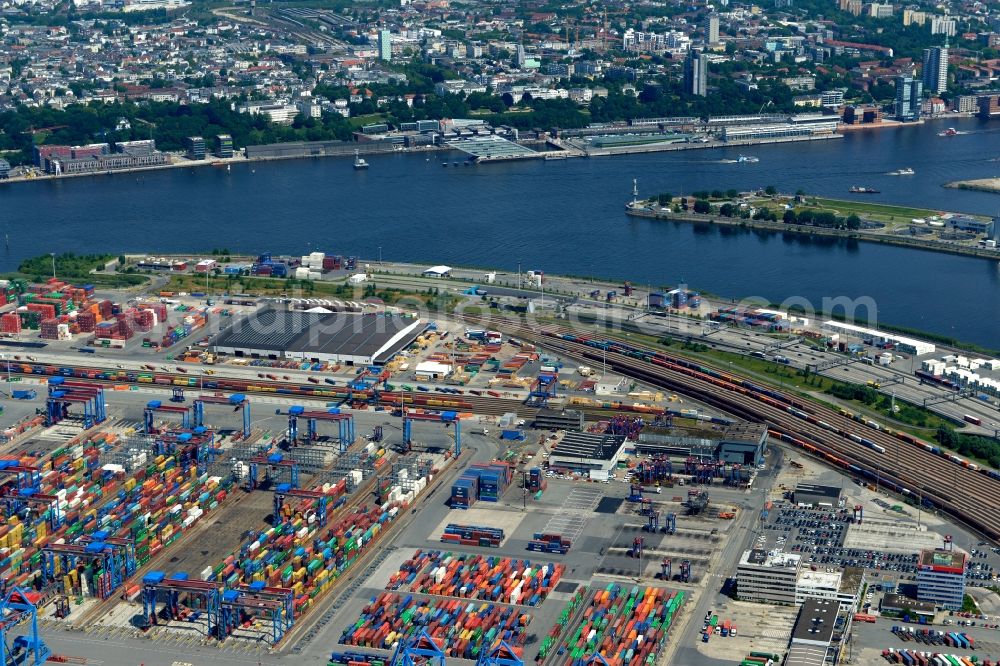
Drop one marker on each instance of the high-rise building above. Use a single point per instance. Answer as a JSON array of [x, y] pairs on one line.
[[941, 578], [712, 28], [936, 69], [943, 26], [385, 45], [909, 92], [696, 74], [4, 168], [520, 57]]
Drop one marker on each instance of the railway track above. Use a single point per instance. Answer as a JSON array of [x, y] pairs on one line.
[[966, 493]]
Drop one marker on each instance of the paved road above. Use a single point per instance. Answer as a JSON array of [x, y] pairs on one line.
[[683, 646]]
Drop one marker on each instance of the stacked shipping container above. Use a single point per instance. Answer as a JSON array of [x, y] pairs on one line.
[[624, 627], [473, 535], [490, 578], [464, 628]]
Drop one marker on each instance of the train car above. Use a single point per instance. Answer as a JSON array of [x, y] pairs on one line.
[[927, 378]]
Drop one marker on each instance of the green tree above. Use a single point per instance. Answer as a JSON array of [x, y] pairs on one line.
[[853, 221], [702, 206], [770, 190]]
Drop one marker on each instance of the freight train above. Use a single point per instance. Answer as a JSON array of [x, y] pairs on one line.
[[687, 367], [768, 396], [913, 441], [331, 393]]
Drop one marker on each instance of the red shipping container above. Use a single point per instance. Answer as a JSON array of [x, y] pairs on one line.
[[49, 329], [10, 323], [87, 321]]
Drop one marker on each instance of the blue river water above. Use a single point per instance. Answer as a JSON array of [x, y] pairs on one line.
[[560, 217]]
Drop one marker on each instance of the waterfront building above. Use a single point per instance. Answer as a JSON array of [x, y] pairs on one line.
[[908, 96], [941, 578], [224, 145], [385, 45], [832, 99], [195, 147], [935, 73], [696, 74], [4, 169]]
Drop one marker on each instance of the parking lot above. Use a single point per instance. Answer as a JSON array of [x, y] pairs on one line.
[[821, 537]]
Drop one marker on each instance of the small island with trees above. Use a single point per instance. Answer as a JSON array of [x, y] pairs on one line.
[[810, 215]]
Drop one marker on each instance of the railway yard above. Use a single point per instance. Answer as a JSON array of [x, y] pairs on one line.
[[471, 490]]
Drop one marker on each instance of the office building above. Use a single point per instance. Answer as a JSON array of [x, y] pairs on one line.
[[909, 92], [4, 169], [195, 147], [712, 28], [769, 577], [224, 145], [696, 74], [385, 45], [941, 578], [936, 69], [840, 585]]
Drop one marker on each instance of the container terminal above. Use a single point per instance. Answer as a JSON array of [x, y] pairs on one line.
[[350, 482]]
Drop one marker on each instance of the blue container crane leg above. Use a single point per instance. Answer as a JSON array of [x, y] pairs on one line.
[[501, 655], [419, 650], [15, 608]]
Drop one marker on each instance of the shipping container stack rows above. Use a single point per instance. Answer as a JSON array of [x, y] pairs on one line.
[[60, 311], [468, 603], [308, 543], [77, 528], [626, 626]]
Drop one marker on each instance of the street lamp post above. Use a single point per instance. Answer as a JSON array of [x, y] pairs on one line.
[[3, 357]]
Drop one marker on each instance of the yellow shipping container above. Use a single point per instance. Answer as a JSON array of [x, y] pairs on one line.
[[129, 485]]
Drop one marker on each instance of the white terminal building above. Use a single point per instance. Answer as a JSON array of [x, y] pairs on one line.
[[778, 577], [880, 338], [966, 372]]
